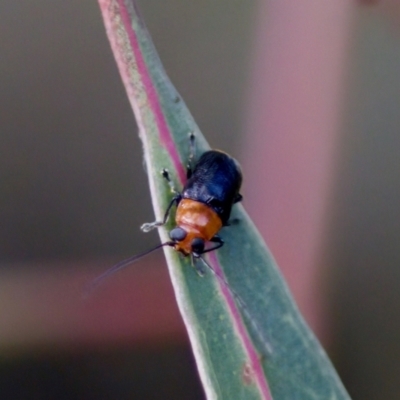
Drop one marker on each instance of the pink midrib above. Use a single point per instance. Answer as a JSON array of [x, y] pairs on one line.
[[241, 330], [166, 141], [151, 93]]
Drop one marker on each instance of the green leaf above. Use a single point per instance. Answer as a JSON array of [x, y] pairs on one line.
[[261, 350]]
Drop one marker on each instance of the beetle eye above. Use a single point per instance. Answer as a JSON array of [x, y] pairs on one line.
[[197, 246], [177, 234]]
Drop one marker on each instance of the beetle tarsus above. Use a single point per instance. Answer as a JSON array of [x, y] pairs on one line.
[[149, 226], [165, 174], [192, 152]]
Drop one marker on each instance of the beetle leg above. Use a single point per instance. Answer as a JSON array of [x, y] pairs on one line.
[[215, 239], [232, 221], [148, 226], [166, 176], [194, 257], [192, 151], [238, 198]]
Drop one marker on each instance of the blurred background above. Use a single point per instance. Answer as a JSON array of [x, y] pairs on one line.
[[305, 95]]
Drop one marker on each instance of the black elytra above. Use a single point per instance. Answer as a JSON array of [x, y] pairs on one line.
[[215, 181]]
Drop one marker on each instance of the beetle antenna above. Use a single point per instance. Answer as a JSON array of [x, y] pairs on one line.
[[240, 302], [121, 265]]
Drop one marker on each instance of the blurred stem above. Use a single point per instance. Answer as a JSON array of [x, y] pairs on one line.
[[293, 125]]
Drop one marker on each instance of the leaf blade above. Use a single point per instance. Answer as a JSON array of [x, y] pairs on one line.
[[227, 353]]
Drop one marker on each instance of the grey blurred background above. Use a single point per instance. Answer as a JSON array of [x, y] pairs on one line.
[[74, 190]]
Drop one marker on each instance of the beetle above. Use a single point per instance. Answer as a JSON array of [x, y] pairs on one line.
[[205, 203], [203, 207]]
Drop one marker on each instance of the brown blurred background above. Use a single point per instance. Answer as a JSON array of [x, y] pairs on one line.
[[297, 95]]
